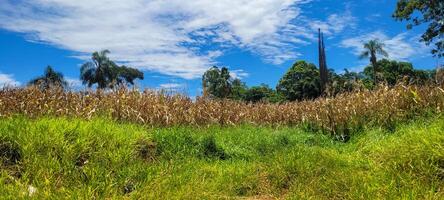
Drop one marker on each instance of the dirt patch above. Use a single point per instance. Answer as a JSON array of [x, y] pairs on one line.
[[10, 157], [146, 149]]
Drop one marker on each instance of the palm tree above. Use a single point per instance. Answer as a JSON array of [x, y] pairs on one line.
[[98, 71], [372, 48], [51, 78], [107, 73]]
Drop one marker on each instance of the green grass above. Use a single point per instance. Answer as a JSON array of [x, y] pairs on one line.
[[77, 159]]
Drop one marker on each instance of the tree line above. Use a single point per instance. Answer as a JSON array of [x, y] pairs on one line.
[[100, 71], [303, 81]]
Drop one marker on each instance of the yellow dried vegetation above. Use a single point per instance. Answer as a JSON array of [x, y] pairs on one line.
[[342, 114]]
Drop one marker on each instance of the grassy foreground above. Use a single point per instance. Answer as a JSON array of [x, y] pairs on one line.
[[61, 158]]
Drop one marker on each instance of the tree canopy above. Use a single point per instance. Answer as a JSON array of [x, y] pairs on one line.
[[238, 90], [261, 93], [392, 72], [300, 82], [429, 12], [216, 83], [128, 75]]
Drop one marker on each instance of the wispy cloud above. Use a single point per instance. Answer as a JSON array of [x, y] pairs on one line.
[[171, 86], [239, 74], [399, 47], [163, 36], [335, 23], [8, 80]]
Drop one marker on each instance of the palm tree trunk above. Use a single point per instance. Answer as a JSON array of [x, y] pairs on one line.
[[374, 63]]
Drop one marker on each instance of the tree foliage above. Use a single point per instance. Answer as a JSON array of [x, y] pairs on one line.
[[106, 73], [216, 82], [238, 90], [345, 82], [49, 79], [128, 75], [429, 12], [392, 72], [300, 82], [262, 93]]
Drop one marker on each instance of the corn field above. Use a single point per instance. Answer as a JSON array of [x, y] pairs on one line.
[[338, 115]]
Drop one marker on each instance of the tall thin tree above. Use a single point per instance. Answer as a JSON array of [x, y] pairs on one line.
[[323, 70]]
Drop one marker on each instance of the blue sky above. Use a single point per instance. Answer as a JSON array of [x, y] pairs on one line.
[[175, 41]]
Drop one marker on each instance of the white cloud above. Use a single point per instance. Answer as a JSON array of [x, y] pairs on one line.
[[399, 47], [238, 74], [8, 80], [171, 86], [334, 24], [164, 36], [373, 17]]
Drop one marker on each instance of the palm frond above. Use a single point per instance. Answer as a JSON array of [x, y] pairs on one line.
[[36, 81], [383, 52], [364, 55], [88, 73]]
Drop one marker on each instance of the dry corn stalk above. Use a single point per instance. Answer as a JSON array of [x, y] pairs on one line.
[[344, 112]]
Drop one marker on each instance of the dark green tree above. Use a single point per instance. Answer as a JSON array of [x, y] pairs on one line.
[[346, 82], [216, 83], [300, 82], [238, 90], [259, 93], [393, 72], [372, 49], [423, 76], [429, 12], [50, 78], [106, 73], [98, 71], [128, 75]]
